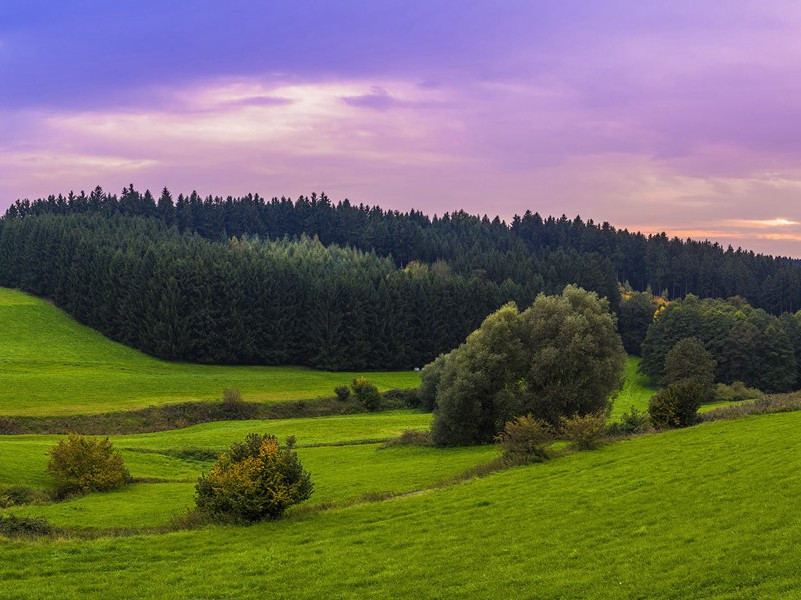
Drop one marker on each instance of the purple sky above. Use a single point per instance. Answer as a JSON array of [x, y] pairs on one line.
[[675, 115]]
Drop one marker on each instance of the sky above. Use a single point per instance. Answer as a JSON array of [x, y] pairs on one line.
[[677, 115]]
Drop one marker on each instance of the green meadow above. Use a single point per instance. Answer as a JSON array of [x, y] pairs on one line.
[[679, 514], [672, 515], [51, 365]]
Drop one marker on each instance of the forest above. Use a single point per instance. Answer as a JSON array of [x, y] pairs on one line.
[[472, 246], [343, 287]]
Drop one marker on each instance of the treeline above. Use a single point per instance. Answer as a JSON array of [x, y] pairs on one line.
[[245, 300], [472, 246], [746, 343]]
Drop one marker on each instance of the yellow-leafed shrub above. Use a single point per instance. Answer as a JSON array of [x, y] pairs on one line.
[[255, 480]]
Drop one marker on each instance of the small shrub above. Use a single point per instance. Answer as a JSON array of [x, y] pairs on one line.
[[411, 437], [255, 480], [10, 426], [584, 432], [17, 495], [86, 464], [526, 439], [735, 392], [13, 526], [677, 405], [366, 393], [342, 392], [400, 398], [632, 422], [234, 407]]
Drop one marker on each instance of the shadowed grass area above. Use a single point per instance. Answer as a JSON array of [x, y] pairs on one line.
[[637, 390], [671, 515], [52, 365]]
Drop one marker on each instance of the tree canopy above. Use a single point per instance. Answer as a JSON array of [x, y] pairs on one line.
[[560, 357]]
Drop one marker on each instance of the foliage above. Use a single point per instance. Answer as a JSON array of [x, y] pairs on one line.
[[526, 439], [273, 300], [747, 344], [394, 399], [342, 392], [584, 432], [677, 405], [87, 464], [365, 393], [14, 526], [17, 495], [410, 437], [430, 376], [763, 405], [688, 359], [735, 392], [256, 479], [635, 316], [630, 423], [562, 356]]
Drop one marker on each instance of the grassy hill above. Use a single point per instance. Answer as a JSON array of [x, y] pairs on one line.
[[705, 512], [51, 365]]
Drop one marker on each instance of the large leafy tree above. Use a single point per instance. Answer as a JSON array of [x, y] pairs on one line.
[[561, 356]]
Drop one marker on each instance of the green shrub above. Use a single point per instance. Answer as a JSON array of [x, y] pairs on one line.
[[342, 392], [584, 432], [255, 480], [234, 408], [632, 422], [86, 464], [14, 526], [399, 398], [17, 495], [735, 392], [677, 405], [366, 393], [525, 440], [411, 437]]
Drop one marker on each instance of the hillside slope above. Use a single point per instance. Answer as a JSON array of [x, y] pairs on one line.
[[52, 365], [705, 512]]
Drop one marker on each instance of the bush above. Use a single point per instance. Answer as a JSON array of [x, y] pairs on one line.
[[584, 432], [17, 495], [366, 393], [735, 392], [253, 481], [677, 405], [410, 437], [562, 356], [235, 408], [400, 398], [632, 422], [86, 464], [526, 440], [13, 526], [342, 392], [9, 426]]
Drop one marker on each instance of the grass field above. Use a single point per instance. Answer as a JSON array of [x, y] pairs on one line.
[[344, 470], [680, 514], [51, 365], [636, 392]]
